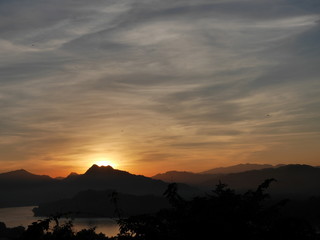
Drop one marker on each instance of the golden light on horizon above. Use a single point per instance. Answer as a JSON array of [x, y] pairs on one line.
[[105, 162]]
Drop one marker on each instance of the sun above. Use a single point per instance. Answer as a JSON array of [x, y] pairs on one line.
[[105, 162]]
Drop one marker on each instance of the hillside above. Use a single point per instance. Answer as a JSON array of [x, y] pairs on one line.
[[292, 180], [197, 178], [238, 168], [92, 203], [21, 188], [183, 177]]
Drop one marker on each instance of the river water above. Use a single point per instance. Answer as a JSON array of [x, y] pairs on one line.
[[23, 216]]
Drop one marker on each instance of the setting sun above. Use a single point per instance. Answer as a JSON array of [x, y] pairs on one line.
[[105, 162]]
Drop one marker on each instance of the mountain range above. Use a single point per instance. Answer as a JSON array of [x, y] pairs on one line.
[[198, 178], [239, 168], [291, 180], [21, 188], [93, 203]]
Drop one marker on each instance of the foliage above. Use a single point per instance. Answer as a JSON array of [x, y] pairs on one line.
[[220, 214], [43, 230]]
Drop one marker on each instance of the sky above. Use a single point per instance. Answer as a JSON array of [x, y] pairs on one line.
[[150, 86]]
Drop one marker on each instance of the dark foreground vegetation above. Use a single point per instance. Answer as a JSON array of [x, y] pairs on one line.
[[221, 214], [93, 203]]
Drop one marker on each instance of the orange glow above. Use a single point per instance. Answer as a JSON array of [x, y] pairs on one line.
[[105, 162]]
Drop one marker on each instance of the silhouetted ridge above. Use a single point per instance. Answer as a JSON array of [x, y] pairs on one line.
[[93, 203], [183, 177], [22, 174], [293, 181], [34, 189], [237, 168], [95, 170], [72, 174], [298, 167]]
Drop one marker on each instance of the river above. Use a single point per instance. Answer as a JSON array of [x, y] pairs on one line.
[[23, 216]]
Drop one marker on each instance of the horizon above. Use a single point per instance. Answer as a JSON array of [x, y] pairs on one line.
[[136, 173], [150, 86]]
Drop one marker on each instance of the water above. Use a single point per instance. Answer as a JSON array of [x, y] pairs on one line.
[[23, 216]]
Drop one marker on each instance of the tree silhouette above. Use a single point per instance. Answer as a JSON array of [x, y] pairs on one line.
[[221, 214]]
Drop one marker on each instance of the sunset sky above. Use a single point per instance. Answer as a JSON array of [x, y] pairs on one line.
[[156, 85]]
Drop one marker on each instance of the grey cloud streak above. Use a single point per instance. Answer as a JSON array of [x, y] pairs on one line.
[[126, 76]]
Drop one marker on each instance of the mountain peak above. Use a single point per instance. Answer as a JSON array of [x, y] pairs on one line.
[[243, 167], [20, 172], [96, 170], [72, 175]]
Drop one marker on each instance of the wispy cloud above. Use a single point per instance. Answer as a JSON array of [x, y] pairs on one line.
[[185, 83]]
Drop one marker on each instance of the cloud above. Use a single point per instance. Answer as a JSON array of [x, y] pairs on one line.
[[185, 80]]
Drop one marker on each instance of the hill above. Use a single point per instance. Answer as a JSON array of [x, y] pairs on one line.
[[21, 188], [237, 168], [183, 177], [92, 203], [105, 177], [296, 181], [21, 176], [197, 178]]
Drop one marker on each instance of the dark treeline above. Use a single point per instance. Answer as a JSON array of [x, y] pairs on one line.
[[93, 203], [220, 214]]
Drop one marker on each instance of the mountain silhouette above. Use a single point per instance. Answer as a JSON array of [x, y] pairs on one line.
[[295, 181], [72, 174], [105, 177], [21, 188], [238, 168], [95, 170], [92, 203], [183, 177], [197, 178], [22, 174]]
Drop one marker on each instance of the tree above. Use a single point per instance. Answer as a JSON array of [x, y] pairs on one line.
[[222, 214]]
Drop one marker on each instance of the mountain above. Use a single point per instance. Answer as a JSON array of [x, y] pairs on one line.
[[92, 203], [296, 181], [97, 171], [237, 168], [105, 177], [21, 188], [183, 177], [22, 174], [196, 179]]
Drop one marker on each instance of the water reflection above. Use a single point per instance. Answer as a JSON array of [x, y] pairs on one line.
[[23, 216]]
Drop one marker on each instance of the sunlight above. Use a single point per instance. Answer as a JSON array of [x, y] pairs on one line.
[[105, 162]]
